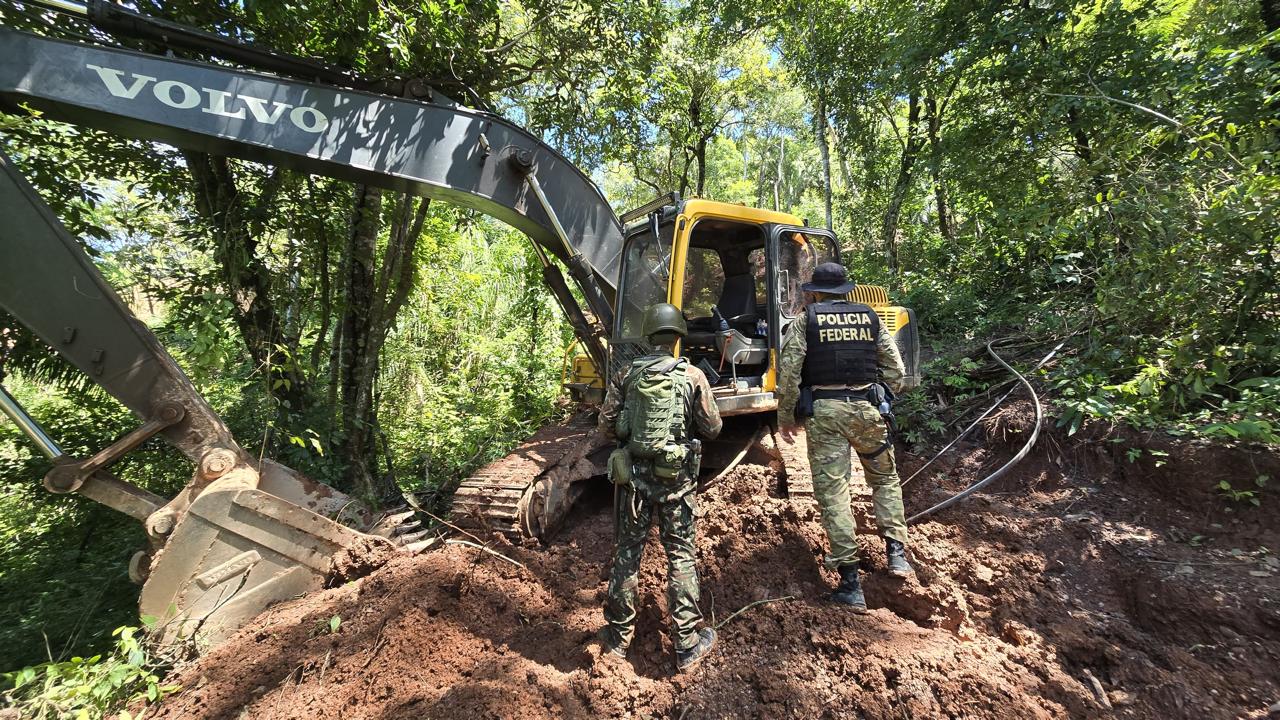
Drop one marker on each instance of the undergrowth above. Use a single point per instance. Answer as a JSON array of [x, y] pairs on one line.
[[105, 685], [1213, 399]]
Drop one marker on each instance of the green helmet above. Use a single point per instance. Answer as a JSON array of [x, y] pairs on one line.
[[662, 318]]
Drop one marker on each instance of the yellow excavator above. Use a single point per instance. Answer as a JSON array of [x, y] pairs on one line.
[[246, 532], [735, 272]]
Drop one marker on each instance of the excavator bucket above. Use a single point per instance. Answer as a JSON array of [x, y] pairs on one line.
[[240, 548], [251, 539], [244, 533]]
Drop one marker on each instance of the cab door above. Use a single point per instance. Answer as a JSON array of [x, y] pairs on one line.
[[799, 251], [794, 251]]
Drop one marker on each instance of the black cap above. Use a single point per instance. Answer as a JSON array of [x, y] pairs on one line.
[[829, 278]]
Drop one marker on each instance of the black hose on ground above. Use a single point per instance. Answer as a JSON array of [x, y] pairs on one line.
[[1043, 361], [1026, 448]]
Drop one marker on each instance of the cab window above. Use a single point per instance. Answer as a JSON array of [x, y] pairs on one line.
[[703, 281], [644, 281], [798, 254]]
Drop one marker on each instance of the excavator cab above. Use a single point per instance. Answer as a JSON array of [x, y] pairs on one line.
[[736, 273]]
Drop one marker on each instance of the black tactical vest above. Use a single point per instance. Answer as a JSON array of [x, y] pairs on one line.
[[842, 344]]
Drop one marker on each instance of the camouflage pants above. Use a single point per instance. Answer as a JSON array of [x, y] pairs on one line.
[[674, 512], [835, 426]]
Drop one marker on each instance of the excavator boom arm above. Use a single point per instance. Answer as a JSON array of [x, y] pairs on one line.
[[442, 151], [50, 285]]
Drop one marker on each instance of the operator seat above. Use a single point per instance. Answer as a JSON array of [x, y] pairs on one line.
[[738, 297]]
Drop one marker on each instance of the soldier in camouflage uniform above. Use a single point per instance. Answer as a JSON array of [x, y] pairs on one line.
[[671, 500], [837, 350]]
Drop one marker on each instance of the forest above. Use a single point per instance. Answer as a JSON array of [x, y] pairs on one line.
[[1102, 173]]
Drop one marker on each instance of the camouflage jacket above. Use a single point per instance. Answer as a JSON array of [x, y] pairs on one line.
[[794, 347], [702, 410]]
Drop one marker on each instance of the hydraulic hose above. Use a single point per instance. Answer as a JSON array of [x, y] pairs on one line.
[[746, 447], [1026, 448], [987, 412]]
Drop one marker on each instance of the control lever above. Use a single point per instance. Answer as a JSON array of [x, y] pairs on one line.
[[723, 326]]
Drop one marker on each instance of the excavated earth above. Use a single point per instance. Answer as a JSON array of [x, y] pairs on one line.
[[1089, 583]]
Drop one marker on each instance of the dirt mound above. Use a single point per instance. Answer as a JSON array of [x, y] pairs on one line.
[[1072, 589]]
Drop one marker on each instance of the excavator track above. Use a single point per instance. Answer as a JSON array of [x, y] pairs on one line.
[[792, 453], [528, 493]]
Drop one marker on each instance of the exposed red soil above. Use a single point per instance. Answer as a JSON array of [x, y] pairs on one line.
[[1083, 585]]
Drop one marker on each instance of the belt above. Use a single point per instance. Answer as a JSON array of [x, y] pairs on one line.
[[845, 395]]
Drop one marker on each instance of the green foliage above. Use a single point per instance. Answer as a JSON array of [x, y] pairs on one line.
[[95, 687], [475, 360], [1104, 165], [1105, 169], [949, 383], [1252, 496], [63, 559]]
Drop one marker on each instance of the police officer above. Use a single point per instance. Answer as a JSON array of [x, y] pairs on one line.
[[838, 351], [662, 488]]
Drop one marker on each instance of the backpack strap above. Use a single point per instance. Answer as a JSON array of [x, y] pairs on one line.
[[662, 364], [666, 365], [680, 418]]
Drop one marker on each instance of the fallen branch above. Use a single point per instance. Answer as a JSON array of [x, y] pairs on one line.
[[377, 645], [325, 665], [748, 606], [448, 524], [494, 553], [755, 439], [1096, 686]]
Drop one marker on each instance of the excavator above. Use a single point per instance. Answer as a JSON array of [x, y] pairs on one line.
[[246, 532], [735, 272]]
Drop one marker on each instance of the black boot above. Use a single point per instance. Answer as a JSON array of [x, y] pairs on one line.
[[849, 591], [896, 553], [686, 659]]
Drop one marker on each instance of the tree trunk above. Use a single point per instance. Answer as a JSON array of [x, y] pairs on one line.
[[761, 182], [684, 173], [1081, 146], [700, 154], [935, 170], [355, 358], [326, 302], [236, 221], [376, 300], [846, 175], [910, 152], [777, 177], [335, 367], [1270, 10], [820, 130]]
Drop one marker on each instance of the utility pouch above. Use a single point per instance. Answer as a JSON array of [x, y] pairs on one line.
[[882, 399], [670, 461], [804, 404], [876, 396], [620, 466], [889, 394]]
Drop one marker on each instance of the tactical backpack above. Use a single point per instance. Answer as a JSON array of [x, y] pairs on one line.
[[653, 419]]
